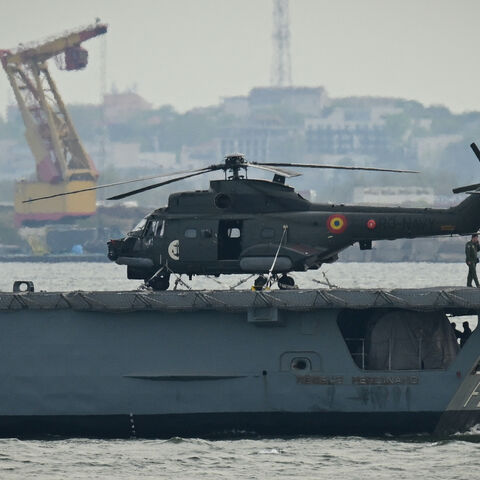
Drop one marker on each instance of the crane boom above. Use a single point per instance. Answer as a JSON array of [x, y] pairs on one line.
[[60, 157], [55, 46]]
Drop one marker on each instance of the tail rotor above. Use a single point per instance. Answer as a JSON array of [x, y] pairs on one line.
[[474, 187]]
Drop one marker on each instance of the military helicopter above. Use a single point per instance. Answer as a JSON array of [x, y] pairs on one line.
[[242, 225]]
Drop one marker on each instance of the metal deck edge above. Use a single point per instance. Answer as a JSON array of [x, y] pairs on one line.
[[437, 298]]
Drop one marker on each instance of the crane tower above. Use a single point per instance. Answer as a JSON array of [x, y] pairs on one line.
[[281, 67], [62, 164]]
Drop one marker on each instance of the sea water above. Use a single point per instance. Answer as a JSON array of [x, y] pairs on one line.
[[387, 457]]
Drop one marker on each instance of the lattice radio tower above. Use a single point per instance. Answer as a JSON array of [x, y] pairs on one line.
[[281, 67]]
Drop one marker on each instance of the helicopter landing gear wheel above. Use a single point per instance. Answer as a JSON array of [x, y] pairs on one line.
[[159, 282], [286, 283], [259, 283]]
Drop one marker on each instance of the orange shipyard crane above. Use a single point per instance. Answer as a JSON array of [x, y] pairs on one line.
[[62, 164]]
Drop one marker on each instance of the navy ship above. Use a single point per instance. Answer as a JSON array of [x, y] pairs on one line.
[[227, 363]]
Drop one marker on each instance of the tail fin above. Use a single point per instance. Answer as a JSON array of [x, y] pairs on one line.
[[468, 211], [470, 188]]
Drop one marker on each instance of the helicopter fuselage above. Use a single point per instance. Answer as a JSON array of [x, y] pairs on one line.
[[257, 226]]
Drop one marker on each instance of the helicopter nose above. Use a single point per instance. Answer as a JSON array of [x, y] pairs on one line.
[[114, 249]]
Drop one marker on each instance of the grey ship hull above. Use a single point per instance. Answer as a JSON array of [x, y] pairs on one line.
[[125, 364]]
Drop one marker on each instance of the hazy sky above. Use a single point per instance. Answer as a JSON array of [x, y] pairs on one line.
[[192, 52]]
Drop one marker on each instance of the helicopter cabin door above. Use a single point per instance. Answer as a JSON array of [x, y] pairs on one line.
[[229, 239], [198, 240]]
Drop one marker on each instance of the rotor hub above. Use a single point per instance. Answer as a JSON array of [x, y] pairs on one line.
[[235, 162]]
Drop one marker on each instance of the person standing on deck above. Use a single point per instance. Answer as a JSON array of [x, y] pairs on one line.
[[465, 334], [458, 333], [471, 249]]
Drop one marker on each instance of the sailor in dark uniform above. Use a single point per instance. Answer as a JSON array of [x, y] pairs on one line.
[[465, 334], [471, 249], [458, 333]]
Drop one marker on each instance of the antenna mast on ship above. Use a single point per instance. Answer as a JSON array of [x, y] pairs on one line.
[[281, 66]]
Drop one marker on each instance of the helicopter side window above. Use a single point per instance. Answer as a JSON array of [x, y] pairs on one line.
[[160, 231], [233, 232], [268, 233], [190, 233], [151, 228]]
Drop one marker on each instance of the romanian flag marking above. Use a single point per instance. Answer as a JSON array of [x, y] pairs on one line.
[[337, 223]]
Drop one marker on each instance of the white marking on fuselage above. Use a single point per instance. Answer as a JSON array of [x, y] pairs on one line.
[[174, 250]]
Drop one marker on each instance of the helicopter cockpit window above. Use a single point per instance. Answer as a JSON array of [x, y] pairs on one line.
[[233, 232], [268, 233], [151, 228], [190, 233], [160, 232], [140, 225]]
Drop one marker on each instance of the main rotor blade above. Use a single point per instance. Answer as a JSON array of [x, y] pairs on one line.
[[475, 149], [156, 185], [98, 187], [337, 167], [277, 171], [466, 188]]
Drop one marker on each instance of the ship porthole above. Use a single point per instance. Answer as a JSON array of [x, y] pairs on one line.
[[301, 364]]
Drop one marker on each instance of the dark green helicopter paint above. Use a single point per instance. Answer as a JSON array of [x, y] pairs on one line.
[[241, 225], [194, 236]]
